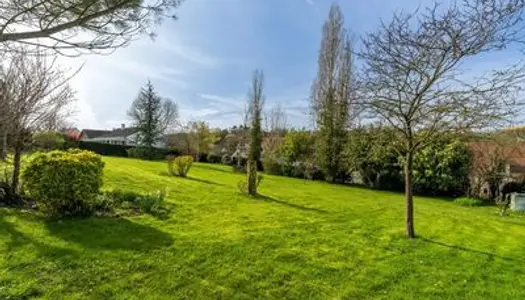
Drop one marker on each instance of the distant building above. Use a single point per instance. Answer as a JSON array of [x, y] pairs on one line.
[[126, 136]]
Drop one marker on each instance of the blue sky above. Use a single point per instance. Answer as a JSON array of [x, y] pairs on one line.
[[204, 60]]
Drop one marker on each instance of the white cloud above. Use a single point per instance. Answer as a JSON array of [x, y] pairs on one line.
[[187, 52], [237, 102]]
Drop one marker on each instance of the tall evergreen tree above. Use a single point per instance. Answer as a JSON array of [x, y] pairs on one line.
[[255, 107], [331, 96], [152, 116]]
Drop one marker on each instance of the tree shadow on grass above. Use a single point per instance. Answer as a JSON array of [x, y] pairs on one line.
[[164, 173], [109, 234], [19, 239], [211, 168], [461, 248], [296, 206]]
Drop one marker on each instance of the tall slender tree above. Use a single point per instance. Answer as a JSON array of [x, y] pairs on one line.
[[332, 93], [255, 109], [152, 116]]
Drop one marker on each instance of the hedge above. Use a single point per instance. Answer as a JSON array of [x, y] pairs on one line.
[[104, 149], [120, 150]]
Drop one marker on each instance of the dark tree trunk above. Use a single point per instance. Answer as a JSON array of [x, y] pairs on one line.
[[16, 163], [408, 196], [3, 149]]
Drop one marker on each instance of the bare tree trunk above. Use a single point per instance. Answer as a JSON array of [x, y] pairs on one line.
[[408, 196], [18, 145], [3, 150]]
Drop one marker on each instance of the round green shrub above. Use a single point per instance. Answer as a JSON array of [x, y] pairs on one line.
[[180, 166], [64, 183]]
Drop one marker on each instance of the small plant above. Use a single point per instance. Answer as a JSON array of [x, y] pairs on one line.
[[469, 202], [503, 204], [131, 201], [180, 166], [152, 203], [120, 197]]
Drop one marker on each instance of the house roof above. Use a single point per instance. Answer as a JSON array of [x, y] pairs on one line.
[[120, 132], [94, 133], [513, 152]]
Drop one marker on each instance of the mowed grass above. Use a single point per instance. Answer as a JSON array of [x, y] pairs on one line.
[[299, 240]]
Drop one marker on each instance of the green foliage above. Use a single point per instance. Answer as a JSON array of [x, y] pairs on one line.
[[214, 158], [226, 159], [439, 168], [64, 183], [271, 166], [48, 140], [297, 151], [139, 152], [180, 166], [205, 137], [120, 196], [297, 145], [149, 153], [102, 149], [442, 167], [371, 152], [469, 202], [152, 204]]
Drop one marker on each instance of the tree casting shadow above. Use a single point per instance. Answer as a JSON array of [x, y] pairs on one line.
[[109, 234], [296, 206]]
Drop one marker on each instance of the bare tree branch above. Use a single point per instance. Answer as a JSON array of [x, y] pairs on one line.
[[73, 27]]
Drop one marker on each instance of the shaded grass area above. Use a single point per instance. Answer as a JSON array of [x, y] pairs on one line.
[[298, 240]]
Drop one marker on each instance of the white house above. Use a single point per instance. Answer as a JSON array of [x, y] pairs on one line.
[[126, 136]]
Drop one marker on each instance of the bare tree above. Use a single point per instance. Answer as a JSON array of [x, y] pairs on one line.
[[35, 91], [413, 79], [77, 25], [255, 109], [276, 120], [276, 123], [4, 113], [332, 94]]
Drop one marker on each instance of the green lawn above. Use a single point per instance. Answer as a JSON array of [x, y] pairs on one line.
[[300, 240]]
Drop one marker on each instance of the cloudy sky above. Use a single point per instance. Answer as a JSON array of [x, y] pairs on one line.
[[204, 60]]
